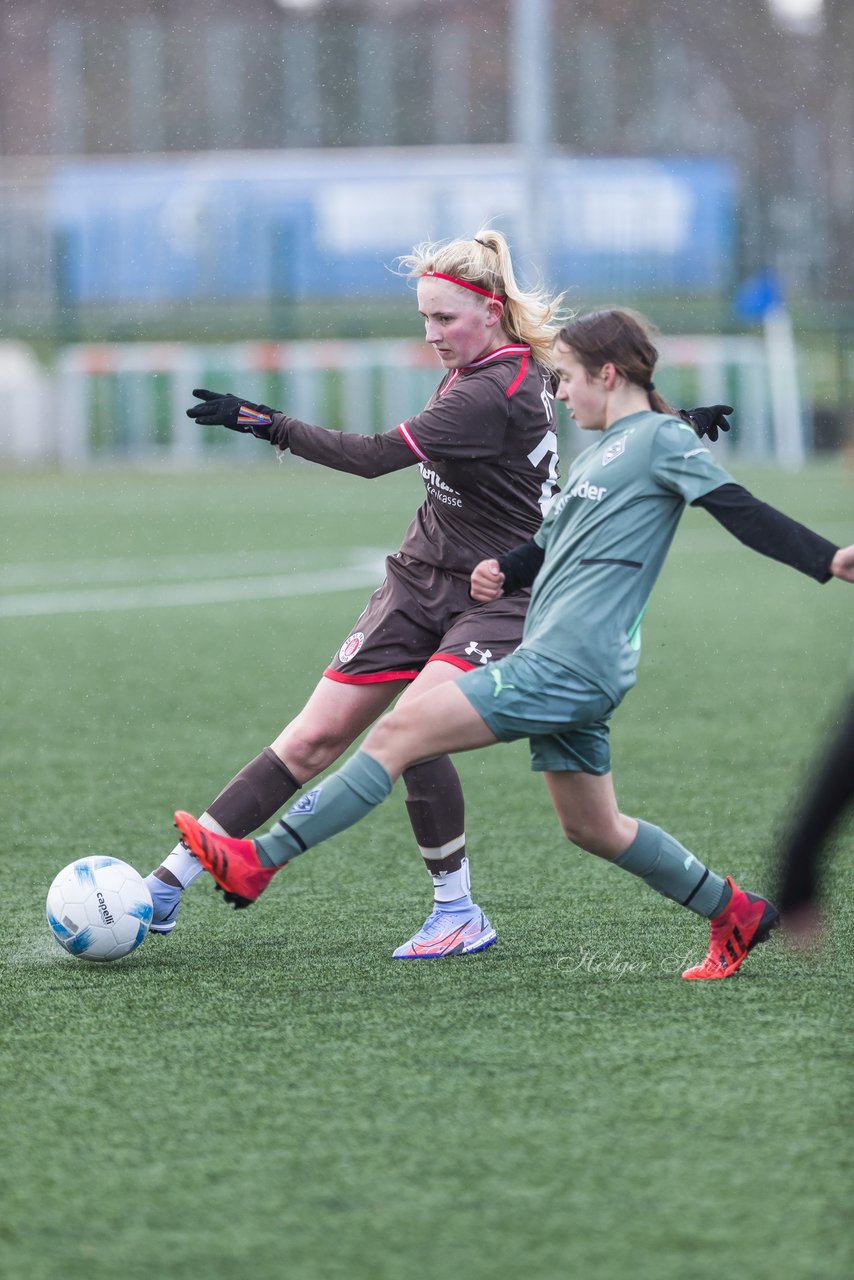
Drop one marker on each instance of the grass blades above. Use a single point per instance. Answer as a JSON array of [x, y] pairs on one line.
[[267, 1094]]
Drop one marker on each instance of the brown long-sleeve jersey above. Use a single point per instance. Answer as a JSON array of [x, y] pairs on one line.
[[485, 445]]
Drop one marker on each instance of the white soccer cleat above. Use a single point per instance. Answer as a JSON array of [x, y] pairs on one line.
[[448, 933], [166, 899]]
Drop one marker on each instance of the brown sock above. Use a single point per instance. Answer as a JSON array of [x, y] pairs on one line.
[[254, 794], [434, 800]]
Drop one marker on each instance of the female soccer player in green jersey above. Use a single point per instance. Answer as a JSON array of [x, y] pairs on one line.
[[593, 564]]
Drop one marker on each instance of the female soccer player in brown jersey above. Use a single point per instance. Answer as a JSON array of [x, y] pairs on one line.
[[487, 450]]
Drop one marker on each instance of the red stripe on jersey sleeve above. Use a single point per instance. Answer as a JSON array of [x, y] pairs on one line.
[[517, 381], [411, 441]]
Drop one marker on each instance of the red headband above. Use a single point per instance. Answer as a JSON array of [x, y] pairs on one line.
[[464, 284]]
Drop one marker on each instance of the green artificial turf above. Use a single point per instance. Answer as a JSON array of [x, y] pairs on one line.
[[266, 1094]]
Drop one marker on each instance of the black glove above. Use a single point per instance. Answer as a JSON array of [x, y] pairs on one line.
[[706, 420], [229, 411]]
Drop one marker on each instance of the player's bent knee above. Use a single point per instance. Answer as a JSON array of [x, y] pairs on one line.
[[592, 838], [575, 835], [309, 754], [392, 735]]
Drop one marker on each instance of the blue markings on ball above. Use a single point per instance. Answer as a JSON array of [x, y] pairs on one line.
[[84, 873], [79, 944], [142, 911], [61, 930]]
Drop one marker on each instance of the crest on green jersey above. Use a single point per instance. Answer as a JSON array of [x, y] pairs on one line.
[[614, 450]]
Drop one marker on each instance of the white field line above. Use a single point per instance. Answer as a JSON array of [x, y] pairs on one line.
[[196, 579], [363, 571], [212, 564]]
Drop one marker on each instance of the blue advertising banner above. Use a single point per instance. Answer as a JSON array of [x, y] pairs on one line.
[[324, 223]]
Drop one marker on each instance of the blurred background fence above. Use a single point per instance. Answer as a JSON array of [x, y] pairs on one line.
[[125, 402], [235, 171]]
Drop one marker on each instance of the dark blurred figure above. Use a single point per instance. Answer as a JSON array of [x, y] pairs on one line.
[[821, 808]]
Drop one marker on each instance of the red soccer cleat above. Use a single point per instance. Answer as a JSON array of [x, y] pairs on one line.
[[743, 924], [233, 863]]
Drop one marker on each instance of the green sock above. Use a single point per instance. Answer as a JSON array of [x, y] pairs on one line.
[[666, 866], [341, 800]]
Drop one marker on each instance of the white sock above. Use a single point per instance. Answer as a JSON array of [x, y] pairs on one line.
[[183, 864], [453, 886]]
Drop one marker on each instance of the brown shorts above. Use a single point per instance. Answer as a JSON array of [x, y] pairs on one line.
[[421, 614]]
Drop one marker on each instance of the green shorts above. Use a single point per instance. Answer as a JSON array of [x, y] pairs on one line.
[[528, 696]]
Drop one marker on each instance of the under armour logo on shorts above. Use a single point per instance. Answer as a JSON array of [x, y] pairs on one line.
[[483, 654]]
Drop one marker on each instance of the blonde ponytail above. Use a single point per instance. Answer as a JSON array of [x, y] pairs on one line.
[[531, 317]]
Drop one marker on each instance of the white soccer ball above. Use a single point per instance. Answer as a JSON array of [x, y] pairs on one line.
[[99, 908]]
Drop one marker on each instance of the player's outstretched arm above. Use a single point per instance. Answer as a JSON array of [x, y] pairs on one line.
[[765, 529], [362, 455], [487, 581], [842, 564]]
